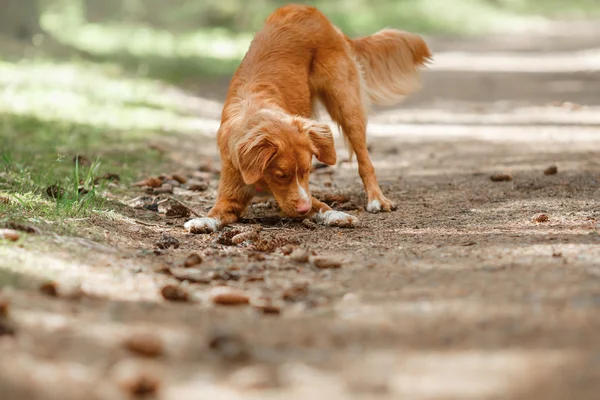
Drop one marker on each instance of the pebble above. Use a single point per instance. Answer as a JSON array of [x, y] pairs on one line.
[[551, 170], [197, 186], [9, 234], [192, 260], [49, 288], [541, 218], [501, 178], [228, 296], [174, 293], [326, 262], [179, 178], [150, 182], [145, 344]]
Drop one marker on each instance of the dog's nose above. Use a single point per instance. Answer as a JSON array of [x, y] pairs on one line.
[[303, 208]]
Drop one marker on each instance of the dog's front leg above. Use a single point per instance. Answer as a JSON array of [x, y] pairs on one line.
[[324, 215], [232, 199]]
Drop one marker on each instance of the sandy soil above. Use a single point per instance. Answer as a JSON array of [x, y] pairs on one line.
[[463, 293]]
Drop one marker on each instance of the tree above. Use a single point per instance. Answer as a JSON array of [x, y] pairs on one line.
[[20, 19]]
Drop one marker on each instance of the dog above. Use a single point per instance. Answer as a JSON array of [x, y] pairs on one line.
[[267, 136]]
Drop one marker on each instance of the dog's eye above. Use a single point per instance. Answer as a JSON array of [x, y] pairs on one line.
[[280, 175]]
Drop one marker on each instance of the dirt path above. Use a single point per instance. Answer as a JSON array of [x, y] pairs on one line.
[[460, 294]]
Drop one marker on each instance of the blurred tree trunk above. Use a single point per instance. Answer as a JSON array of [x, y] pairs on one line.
[[102, 10], [20, 19]]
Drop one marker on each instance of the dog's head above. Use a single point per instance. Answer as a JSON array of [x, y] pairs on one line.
[[277, 149]]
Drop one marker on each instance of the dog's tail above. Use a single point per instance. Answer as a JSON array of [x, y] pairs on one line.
[[391, 60]]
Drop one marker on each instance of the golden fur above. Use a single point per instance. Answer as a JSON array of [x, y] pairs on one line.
[[267, 137]]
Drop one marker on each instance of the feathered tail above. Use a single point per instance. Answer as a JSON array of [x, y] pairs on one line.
[[390, 60]]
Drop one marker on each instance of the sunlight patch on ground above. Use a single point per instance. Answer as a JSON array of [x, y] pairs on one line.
[[115, 280], [89, 95]]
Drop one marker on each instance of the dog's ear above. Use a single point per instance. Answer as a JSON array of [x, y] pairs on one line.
[[322, 141], [254, 155]]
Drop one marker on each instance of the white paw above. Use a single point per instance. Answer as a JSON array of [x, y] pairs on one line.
[[202, 225], [336, 218], [374, 206]]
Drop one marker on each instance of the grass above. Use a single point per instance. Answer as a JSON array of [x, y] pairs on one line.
[[64, 126]]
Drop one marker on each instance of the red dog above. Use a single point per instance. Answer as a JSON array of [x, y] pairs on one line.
[[267, 139]]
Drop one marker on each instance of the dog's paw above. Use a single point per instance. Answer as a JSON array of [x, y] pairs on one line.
[[380, 205], [336, 218], [202, 225]]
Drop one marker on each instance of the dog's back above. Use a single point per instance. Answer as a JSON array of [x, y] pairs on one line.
[[299, 51]]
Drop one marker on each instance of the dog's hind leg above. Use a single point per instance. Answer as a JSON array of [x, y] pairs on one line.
[[338, 84]]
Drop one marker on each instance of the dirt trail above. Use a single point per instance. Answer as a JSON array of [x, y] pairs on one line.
[[463, 293]]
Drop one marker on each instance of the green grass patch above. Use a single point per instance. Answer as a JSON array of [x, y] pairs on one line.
[[69, 130]]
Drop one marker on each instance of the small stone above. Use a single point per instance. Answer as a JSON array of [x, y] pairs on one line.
[[309, 224], [197, 186], [150, 182], [299, 255], [326, 262], [501, 178], [174, 293], [179, 178], [145, 344], [541, 218], [4, 200], [49, 288], [551, 170], [227, 296], [192, 260], [166, 242], [9, 234]]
